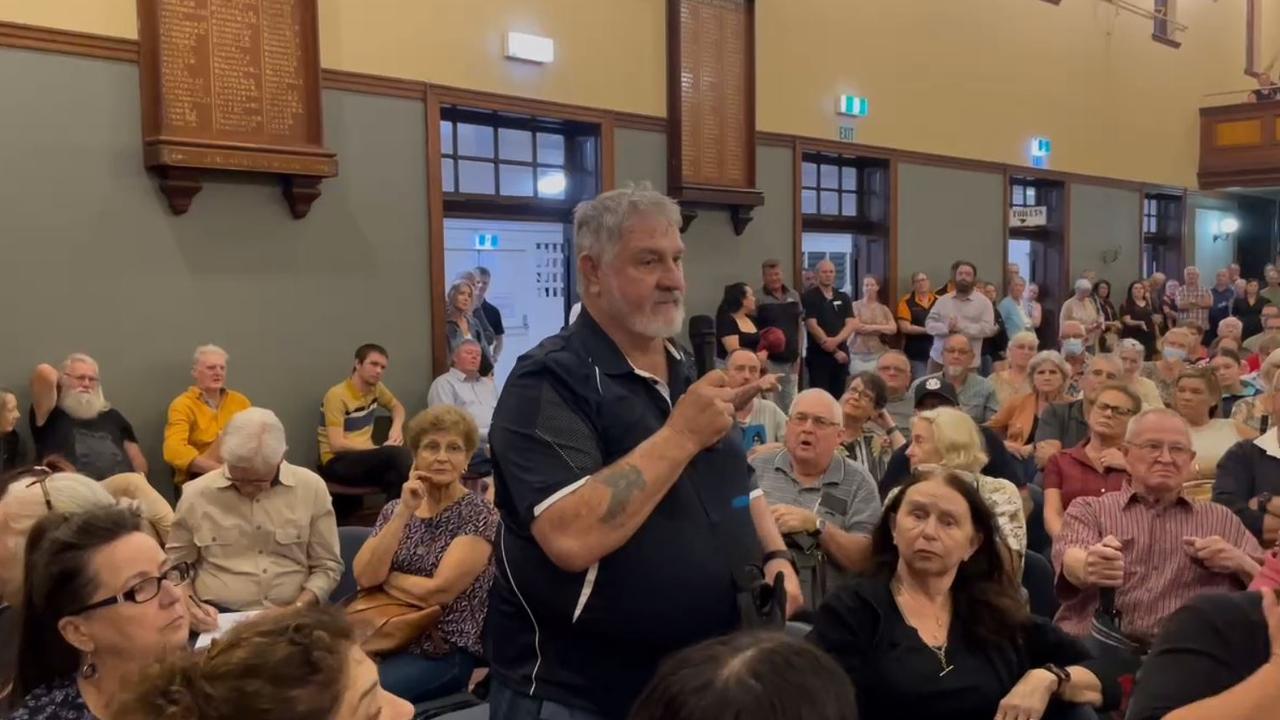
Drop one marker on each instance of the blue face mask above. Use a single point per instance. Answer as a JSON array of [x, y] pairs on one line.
[[1173, 354], [1073, 346]]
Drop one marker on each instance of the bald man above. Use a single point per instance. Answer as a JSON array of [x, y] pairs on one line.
[[828, 313], [762, 422]]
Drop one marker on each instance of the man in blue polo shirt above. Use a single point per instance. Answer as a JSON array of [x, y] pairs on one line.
[[629, 515]]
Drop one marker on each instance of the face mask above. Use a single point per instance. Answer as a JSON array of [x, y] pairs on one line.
[[1073, 346], [1173, 354]]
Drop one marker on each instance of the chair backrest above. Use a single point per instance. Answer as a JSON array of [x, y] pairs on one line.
[[350, 540], [1037, 579]]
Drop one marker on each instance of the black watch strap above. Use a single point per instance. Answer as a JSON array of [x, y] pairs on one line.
[[780, 555], [1063, 676]]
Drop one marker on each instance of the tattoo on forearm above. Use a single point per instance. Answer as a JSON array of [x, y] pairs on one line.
[[624, 483]]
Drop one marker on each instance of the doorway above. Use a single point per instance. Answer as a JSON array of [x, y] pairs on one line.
[[1036, 244]]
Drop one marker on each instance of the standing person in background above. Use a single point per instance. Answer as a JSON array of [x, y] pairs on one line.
[[1011, 309], [965, 312], [875, 327], [1233, 273], [1081, 308], [1194, 301], [1222, 295], [1248, 308], [1137, 318], [1272, 291], [492, 315], [462, 322], [779, 306], [1110, 317], [12, 452], [735, 328], [1031, 305], [1168, 316], [994, 347], [913, 310], [828, 316]]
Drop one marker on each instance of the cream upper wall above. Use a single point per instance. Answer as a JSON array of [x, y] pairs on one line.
[[968, 78]]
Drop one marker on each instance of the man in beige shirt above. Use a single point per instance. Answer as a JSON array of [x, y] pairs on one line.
[[260, 532]]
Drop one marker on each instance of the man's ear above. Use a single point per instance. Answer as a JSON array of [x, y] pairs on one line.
[[589, 274]]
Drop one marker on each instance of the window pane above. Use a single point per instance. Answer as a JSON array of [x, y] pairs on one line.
[[809, 202], [849, 178], [475, 177], [808, 174], [515, 144], [1031, 196], [475, 140], [830, 202], [829, 175], [551, 183], [446, 175], [516, 180], [848, 203], [550, 149], [446, 137], [1019, 197]]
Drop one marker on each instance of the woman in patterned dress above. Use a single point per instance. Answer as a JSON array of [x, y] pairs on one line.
[[434, 546]]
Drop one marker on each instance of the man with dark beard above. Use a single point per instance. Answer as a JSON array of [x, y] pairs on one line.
[[963, 311], [70, 417]]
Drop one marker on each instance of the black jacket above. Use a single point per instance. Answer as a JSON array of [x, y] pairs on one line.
[[1244, 472]]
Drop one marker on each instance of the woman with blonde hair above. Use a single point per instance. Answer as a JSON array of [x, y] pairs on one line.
[[1252, 416], [1017, 419], [1014, 379], [1175, 347], [461, 322], [949, 437], [1196, 400]]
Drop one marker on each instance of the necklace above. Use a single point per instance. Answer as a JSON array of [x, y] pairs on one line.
[[939, 651]]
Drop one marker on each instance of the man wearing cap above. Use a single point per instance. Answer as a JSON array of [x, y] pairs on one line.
[[977, 397], [1081, 308], [932, 392]]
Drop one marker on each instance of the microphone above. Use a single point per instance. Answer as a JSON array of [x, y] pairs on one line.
[[702, 335]]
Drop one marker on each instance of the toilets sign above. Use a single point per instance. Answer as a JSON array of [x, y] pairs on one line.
[[1032, 216]]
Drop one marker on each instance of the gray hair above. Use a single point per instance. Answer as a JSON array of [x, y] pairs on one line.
[[254, 439], [1131, 345], [1230, 320], [1050, 356], [837, 414], [598, 223], [1106, 358], [1025, 336], [1136, 422], [466, 342], [209, 349], [78, 357]]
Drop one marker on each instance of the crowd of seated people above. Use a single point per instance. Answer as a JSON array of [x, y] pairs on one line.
[[905, 502]]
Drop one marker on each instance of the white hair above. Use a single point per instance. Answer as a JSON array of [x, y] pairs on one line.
[[254, 440], [23, 504], [1229, 321], [598, 223], [77, 357], [836, 413], [209, 349], [1132, 433], [1113, 360], [1131, 345], [1025, 336]]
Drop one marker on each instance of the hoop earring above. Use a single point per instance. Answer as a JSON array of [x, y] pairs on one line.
[[89, 670]]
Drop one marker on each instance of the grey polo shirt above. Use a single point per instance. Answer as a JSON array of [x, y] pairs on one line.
[[901, 409], [852, 501], [1065, 423], [977, 396]]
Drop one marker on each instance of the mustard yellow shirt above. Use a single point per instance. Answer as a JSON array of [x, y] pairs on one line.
[[193, 426]]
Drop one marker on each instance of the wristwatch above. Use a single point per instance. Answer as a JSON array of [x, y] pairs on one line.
[[1061, 674], [820, 526], [780, 555]]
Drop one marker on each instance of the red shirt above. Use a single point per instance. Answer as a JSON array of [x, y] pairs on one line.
[[1071, 472]]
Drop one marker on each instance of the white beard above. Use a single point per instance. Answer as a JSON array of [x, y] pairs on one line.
[[648, 324], [83, 406]]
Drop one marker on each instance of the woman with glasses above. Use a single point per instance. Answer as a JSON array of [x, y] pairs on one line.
[[1096, 466], [870, 436], [1197, 396], [101, 603]]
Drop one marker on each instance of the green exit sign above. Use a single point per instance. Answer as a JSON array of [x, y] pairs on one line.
[[852, 106], [846, 133]]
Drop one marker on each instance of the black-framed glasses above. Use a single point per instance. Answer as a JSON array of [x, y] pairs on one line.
[[144, 590]]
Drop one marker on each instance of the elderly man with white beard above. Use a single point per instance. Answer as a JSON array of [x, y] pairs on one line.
[[71, 417], [630, 518]]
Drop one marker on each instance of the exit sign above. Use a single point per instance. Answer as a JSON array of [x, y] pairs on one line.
[[846, 133], [486, 241], [852, 106]]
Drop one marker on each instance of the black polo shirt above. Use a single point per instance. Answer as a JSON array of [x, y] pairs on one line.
[[830, 313], [573, 405]]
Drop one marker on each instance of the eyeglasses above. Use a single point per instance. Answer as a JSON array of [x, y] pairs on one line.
[[818, 421], [144, 590], [84, 379], [861, 393], [1116, 410], [43, 482], [1156, 449]]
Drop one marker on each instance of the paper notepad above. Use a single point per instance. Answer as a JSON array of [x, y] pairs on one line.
[[226, 621]]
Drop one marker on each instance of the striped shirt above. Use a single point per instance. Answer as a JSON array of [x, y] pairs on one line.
[[1159, 575], [1191, 309], [847, 496]]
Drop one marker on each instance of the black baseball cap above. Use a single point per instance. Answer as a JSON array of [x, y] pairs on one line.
[[935, 385]]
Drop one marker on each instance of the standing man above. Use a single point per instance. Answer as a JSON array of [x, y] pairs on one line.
[[913, 311], [629, 517], [779, 306], [347, 453], [197, 417], [963, 311], [492, 315], [1193, 300], [1223, 295], [828, 314]]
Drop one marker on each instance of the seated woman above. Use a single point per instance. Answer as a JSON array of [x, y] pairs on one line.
[[1198, 395], [1017, 419], [101, 603], [1014, 380], [1131, 353], [1252, 416], [1217, 657], [870, 437], [761, 675], [949, 437], [1097, 465], [300, 663], [1174, 349], [735, 324], [940, 630], [12, 451], [433, 546]]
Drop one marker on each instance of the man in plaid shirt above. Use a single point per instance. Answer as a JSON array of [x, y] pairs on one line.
[[1193, 300]]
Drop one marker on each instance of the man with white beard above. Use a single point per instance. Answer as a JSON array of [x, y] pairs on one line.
[[70, 417], [629, 514]]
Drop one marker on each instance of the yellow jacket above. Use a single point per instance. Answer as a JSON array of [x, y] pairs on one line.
[[193, 426]]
